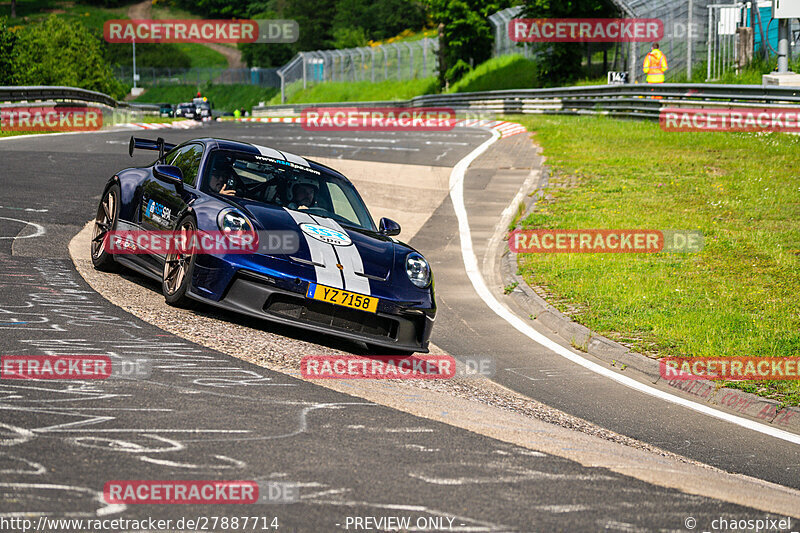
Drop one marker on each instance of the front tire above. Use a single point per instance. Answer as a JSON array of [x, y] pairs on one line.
[[104, 222], [178, 267]]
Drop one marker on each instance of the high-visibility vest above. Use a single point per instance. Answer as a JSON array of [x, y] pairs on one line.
[[654, 66]]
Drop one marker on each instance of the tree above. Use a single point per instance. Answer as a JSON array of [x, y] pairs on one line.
[[560, 63], [57, 52], [468, 36], [7, 64]]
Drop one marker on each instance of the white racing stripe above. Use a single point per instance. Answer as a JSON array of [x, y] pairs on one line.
[[322, 254], [295, 159], [269, 152], [350, 259], [276, 154], [471, 266]]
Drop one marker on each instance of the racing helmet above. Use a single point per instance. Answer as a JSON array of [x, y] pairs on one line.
[[301, 181]]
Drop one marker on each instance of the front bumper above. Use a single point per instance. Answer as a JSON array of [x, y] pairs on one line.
[[393, 326]]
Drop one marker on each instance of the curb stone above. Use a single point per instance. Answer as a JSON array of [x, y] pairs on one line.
[[539, 310]]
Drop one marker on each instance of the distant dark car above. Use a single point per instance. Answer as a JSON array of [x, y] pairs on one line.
[[166, 110], [186, 110], [202, 109]]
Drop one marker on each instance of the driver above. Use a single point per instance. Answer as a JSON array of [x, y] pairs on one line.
[[303, 196], [222, 178]]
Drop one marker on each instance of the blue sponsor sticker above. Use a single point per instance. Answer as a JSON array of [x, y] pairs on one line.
[[157, 209], [325, 234]]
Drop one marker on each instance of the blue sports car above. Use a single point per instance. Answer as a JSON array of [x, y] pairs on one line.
[[344, 276]]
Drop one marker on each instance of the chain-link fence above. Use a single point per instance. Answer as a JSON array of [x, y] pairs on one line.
[[405, 60], [149, 77], [503, 45]]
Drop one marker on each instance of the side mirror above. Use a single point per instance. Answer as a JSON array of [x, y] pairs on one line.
[[388, 227], [169, 174]]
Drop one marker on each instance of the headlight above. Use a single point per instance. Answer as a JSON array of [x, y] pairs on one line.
[[232, 220], [418, 270]]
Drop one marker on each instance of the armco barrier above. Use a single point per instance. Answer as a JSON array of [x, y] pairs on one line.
[[634, 101], [114, 112]]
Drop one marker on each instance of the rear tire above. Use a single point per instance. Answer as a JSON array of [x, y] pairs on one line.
[[104, 222], [178, 267]]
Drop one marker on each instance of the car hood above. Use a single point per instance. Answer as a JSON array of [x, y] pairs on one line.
[[376, 251]]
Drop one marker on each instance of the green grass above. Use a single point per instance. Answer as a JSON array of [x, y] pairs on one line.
[[504, 72], [157, 119], [738, 297], [223, 97], [360, 91], [18, 133], [202, 56]]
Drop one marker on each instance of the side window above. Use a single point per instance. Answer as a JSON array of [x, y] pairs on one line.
[[341, 205], [187, 159]]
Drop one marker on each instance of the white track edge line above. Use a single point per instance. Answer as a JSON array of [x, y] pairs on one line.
[[471, 265]]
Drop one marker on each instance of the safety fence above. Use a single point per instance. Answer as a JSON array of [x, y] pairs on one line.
[[150, 77]]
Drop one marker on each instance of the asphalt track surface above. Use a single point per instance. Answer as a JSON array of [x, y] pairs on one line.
[[204, 415]]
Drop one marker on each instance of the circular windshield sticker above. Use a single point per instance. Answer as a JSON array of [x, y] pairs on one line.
[[331, 236]]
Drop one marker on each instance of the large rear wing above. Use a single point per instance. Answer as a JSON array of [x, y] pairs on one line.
[[148, 144]]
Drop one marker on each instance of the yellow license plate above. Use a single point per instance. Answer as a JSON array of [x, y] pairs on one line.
[[341, 297]]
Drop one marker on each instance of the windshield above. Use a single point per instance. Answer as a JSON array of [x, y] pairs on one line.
[[285, 184]]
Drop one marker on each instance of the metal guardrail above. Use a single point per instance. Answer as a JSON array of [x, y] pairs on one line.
[[45, 93], [634, 100]]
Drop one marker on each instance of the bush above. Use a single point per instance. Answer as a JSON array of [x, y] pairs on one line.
[[57, 52], [467, 33], [560, 63], [7, 40]]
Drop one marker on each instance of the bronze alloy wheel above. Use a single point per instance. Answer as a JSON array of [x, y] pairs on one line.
[[104, 222], [178, 267]]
